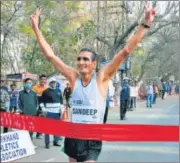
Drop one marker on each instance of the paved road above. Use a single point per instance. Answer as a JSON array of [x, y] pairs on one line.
[[164, 112]]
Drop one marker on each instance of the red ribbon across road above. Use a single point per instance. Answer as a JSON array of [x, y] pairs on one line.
[[106, 132]]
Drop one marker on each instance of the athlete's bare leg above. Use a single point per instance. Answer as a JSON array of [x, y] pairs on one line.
[[72, 159], [90, 161]]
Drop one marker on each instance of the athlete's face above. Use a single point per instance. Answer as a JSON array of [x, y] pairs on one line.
[[85, 63]]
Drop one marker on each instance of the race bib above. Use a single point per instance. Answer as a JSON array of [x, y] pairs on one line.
[[85, 114]]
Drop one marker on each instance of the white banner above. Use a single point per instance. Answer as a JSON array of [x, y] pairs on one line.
[[16, 145]]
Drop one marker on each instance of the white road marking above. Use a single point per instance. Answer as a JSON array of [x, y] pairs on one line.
[[172, 106], [49, 160]]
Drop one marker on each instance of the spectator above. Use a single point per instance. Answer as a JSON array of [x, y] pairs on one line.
[[51, 104], [39, 88], [4, 101], [177, 89], [155, 93], [58, 88], [124, 98], [67, 94], [107, 107], [133, 95], [13, 94], [3, 83], [163, 89], [28, 101], [169, 88], [149, 91], [166, 89]]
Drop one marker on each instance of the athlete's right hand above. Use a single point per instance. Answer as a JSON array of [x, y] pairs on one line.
[[35, 19]]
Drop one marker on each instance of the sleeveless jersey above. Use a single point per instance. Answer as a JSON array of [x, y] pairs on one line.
[[88, 105]]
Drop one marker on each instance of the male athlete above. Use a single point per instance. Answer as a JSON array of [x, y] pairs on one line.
[[89, 90]]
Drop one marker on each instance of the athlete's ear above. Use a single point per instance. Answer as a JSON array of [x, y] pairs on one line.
[[94, 64]]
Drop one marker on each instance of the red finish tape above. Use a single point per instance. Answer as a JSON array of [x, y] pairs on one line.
[[106, 132]]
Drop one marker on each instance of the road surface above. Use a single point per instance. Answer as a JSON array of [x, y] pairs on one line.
[[165, 112]]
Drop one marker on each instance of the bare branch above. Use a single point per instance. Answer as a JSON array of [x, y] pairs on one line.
[[167, 11], [104, 41], [143, 67], [121, 40], [158, 28], [13, 14]]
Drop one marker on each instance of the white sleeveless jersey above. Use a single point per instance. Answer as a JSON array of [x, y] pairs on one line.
[[88, 105]]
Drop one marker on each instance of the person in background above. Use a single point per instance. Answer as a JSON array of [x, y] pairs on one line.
[[39, 88], [13, 94], [67, 94], [28, 100], [164, 89], [156, 92], [133, 95], [149, 91], [107, 107], [124, 98], [58, 88], [4, 84], [4, 101], [51, 102], [169, 88], [177, 89]]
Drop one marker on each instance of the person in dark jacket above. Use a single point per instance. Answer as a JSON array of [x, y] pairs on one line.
[[28, 100], [52, 101], [177, 89], [164, 89], [124, 98]]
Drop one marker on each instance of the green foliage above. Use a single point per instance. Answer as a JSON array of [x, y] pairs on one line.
[[135, 70], [139, 51], [26, 29], [35, 63], [62, 27], [73, 6]]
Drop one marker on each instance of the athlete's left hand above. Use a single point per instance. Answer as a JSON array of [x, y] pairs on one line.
[[149, 13]]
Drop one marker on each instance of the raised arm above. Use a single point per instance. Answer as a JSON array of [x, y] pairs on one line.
[[132, 42], [67, 71]]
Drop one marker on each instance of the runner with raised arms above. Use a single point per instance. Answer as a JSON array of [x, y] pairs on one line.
[[89, 89]]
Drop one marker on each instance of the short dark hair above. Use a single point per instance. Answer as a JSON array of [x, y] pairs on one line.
[[13, 85], [94, 54], [42, 76], [25, 80]]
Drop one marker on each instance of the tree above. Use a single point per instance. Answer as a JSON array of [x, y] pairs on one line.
[[69, 25], [9, 50], [65, 25], [165, 19]]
